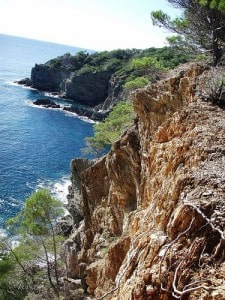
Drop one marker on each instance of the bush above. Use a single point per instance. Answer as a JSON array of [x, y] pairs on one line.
[[215, 91], [136, 83], [55, 63], [145, 62]]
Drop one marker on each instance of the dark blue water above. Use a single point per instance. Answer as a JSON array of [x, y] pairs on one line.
[[36, 145]]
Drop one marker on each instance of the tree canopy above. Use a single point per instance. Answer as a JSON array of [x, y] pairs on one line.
[[35, 224], [201, 27], [38, 215], [108, 131], [220, 4]]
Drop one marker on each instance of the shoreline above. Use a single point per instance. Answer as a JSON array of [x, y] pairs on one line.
[[75, 108]]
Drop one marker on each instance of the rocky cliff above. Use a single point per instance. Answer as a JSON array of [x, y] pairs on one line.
[[153, 207], [84, 78]]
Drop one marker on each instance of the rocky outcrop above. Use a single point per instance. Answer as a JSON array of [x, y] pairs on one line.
[[93, 89], [25, 81], [153, 212], [88, 112], [89, 88], [99, 80], [44, 102], [48, 78], [68, 77]]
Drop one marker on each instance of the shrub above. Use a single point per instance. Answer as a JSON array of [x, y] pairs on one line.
[[145, 62], [215, 92], [136, 83], [55, 63]]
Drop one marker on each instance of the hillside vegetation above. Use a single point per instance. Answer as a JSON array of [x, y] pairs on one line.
[[127, 63]]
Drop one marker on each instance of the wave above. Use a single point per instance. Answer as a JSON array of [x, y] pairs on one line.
[[3, 233], [51, 95], [59, 189], [83, 118]]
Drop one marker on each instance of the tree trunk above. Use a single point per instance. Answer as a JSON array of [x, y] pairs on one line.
[[49, 269], [55, 254]]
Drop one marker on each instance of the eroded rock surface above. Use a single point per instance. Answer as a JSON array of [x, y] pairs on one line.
[[153, 207]]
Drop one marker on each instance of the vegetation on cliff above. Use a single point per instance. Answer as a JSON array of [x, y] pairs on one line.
[[32, 266], [108, 131], [201, 27], [120, 61]]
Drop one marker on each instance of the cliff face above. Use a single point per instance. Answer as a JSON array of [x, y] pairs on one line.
[[93, 84], [153, 212], [90, 88]]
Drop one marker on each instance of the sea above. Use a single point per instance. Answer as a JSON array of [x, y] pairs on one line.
[[36, 144]]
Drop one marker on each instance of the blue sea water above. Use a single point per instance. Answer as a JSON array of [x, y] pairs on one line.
[[36, 144]]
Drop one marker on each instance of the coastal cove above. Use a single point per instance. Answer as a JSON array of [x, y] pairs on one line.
[[37, 144]]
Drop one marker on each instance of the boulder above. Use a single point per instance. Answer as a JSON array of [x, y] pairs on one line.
[[25, 81], [46, 103]]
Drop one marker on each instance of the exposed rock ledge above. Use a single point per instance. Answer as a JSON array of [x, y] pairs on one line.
[[153, 207]]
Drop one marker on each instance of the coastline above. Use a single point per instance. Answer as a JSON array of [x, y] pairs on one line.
[[77, 108], [64, 105], [68, 113]]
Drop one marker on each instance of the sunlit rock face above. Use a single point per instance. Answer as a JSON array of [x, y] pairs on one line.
[[153, 207]]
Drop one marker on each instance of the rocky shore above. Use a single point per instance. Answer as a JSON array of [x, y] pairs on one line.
[[88, 112], [94, 93], [46, 103]]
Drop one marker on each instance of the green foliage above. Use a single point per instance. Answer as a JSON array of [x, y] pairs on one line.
[[55, 63], [200, 27], [13, 281], [138, 82], [168, 57], [5, 265], [39, 243], [180, 24], [146, 62], [38, 214], [220, 4], [110, 61], [86, 69], [108, 131], [104, 250], [159, 17], [124, 65]]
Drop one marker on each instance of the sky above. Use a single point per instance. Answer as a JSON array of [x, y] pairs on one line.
[[91, 24]]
